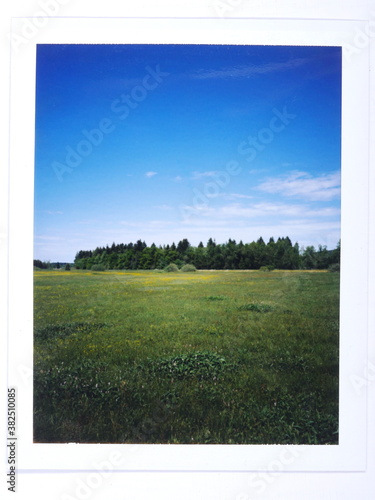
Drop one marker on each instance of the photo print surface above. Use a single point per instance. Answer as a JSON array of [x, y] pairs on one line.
[[187, 244]]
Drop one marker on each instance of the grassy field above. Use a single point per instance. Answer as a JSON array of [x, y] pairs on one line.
[[240, 357]]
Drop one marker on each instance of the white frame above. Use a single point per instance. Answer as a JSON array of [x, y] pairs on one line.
[[350, 454]]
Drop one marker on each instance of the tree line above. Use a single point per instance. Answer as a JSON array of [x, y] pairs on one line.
[[39, 264], [279, 254]]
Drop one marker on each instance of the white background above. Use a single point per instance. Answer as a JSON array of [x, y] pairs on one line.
[[358, 216]]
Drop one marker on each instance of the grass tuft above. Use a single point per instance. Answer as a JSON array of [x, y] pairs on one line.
[[64, 330], [259, 308], [202, 365]]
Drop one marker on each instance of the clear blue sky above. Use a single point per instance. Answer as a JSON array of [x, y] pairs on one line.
[[165, 142]]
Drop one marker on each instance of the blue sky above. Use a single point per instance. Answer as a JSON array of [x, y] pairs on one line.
[[165, 142]]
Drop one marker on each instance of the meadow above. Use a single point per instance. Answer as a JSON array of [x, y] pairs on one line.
[[213, 357]]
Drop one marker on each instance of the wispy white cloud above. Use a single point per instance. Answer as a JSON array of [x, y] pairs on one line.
[[178, 178], [249, 70], [141, 226], [306, 231], [254, 171], [202, 175], [158, 224], [288, 164], [150, 174], [298, 184], [239, 195], [47, 237], [163, 207], [228, 196], [87, 221], [259, 210], [128, 224], [54, 212]]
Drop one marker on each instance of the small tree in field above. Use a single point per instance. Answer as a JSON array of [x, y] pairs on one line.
[[97, 267], [267, 268], [334, 268], [188, 268], [67, 267], [171, 268]]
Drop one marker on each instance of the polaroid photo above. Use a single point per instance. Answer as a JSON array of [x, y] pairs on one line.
[[193, 195]]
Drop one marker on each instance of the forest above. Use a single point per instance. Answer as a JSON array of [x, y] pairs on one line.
[[279, 254]]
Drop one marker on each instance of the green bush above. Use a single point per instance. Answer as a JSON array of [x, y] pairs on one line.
[[97, 267], [334, 268], [67, 267], [203, 365], [267, 268], [188, 268], [171, 268], [260, 308]]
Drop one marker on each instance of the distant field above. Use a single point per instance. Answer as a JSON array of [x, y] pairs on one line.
[[241, 357]]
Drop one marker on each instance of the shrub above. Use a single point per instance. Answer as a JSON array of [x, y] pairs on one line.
[[171, 268], [334, 268], [267, 268], [97, 267], [260, 308], [188, 268], [67, 267], [203, 365]]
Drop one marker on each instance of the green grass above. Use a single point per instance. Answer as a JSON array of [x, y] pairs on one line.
[[209, 357]]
